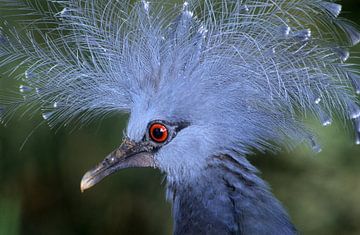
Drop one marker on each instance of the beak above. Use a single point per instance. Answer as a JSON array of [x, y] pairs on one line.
[[129, 155]]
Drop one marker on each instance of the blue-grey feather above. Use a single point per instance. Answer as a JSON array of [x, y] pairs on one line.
[[355, 78], [333, 8], [357, 130], [228, 199]]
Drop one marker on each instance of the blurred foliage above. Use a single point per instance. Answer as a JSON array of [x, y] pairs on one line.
[[9, 216], [39, 183]]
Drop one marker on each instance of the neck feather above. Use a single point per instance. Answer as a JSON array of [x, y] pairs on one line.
[[227, 198]]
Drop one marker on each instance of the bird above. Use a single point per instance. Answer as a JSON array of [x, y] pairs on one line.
[[206, 84]]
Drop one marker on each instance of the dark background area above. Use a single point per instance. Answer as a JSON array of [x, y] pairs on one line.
[[39, 184]]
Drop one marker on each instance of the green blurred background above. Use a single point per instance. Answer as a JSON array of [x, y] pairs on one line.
[[39, 185]]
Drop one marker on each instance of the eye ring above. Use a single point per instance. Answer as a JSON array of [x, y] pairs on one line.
[[158, 132]]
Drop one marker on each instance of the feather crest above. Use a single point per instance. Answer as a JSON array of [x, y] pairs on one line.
[[256, 67]]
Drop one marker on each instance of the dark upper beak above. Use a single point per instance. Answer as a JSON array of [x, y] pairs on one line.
[[129, 154]]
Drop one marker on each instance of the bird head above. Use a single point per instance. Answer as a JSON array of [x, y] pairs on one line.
[[182, 117], [163, 133]]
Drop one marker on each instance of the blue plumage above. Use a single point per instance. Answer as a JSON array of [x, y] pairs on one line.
[[243, 75], [270, 61]]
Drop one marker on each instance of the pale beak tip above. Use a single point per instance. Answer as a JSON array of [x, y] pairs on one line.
[[86, 182]]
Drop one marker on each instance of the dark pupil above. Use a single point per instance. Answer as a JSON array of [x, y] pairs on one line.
[[157, 133]]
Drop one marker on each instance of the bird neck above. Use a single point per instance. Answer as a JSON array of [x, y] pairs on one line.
[[226, 198]]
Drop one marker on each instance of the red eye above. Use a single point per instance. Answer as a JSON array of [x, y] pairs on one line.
[[158, 132]]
